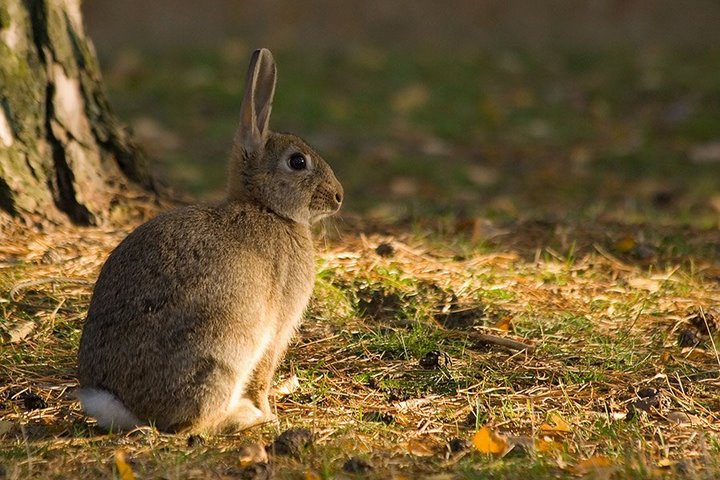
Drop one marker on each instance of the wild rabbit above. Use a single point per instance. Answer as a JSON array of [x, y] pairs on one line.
[[194, 309]]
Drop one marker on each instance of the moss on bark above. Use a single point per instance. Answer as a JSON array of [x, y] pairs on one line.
[[67, 157], [4, 18]]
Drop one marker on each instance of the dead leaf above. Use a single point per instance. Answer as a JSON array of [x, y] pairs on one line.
[[487, 441], [648, 284], [483, 176], [625, 244], [19, 332], [404, 186], [682, 418], [594, 465], [547, 445], [481, 229], [434, 147], [410, 98], [6, 426], [421, 447], [414, 403], [555, 424], [124, 469], [286, 387], [252, 453], [311, 475], [714, 202], [705, 153], [504, 323]]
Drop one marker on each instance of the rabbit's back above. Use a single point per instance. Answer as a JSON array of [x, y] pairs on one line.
[[184, 298]]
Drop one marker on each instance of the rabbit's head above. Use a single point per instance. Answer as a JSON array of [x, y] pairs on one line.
[[277, 170]]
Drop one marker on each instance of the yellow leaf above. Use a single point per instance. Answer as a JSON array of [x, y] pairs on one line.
[[592, 464], [555, 424], [546, 445], [625, 244], [504, 323], [124, 469], [487, 441]]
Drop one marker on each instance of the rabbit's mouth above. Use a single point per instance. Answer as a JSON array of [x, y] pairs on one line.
[[316, 215], [324, 203]]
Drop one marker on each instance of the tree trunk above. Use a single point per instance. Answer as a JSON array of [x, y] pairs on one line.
[[63, 154]]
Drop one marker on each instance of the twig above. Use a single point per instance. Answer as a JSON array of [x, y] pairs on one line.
[[487, 339], [710, 334], [34, 283], [617, 263]]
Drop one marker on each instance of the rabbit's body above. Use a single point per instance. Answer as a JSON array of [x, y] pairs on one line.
[[193, 310], [195, 337]]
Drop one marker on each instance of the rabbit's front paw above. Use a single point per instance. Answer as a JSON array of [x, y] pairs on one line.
[[271, 418], [246, 415]]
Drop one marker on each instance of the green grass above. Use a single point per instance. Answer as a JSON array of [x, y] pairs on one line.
[[515, 132]]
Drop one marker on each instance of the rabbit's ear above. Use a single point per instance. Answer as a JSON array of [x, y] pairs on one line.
[[257, 102]]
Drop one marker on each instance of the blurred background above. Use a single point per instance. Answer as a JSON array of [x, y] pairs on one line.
[[562, 109]]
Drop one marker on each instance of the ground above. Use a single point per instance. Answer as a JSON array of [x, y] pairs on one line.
[[564, 200]]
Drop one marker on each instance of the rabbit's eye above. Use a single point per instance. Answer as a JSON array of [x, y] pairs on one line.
[[297, 161]]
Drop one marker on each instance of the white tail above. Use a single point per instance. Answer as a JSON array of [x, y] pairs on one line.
[[107, 409]]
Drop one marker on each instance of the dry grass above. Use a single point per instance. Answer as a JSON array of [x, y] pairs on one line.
[[607, 330]]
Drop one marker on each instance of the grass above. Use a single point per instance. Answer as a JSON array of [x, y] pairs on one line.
[[545, 197], [599, 341]]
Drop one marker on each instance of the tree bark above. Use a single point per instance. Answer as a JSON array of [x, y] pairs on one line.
[[63, 154]]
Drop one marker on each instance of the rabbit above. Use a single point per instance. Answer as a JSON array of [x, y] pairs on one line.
[[193, 311]]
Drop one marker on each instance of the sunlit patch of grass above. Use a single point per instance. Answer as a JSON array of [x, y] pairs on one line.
[[370, 323], [401, 344]]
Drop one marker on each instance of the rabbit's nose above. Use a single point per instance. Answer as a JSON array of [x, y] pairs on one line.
[[338, 198]]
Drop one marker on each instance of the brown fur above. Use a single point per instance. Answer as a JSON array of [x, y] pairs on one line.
[[193, 310]]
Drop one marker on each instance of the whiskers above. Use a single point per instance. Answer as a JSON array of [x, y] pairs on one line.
[[331, 228]]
